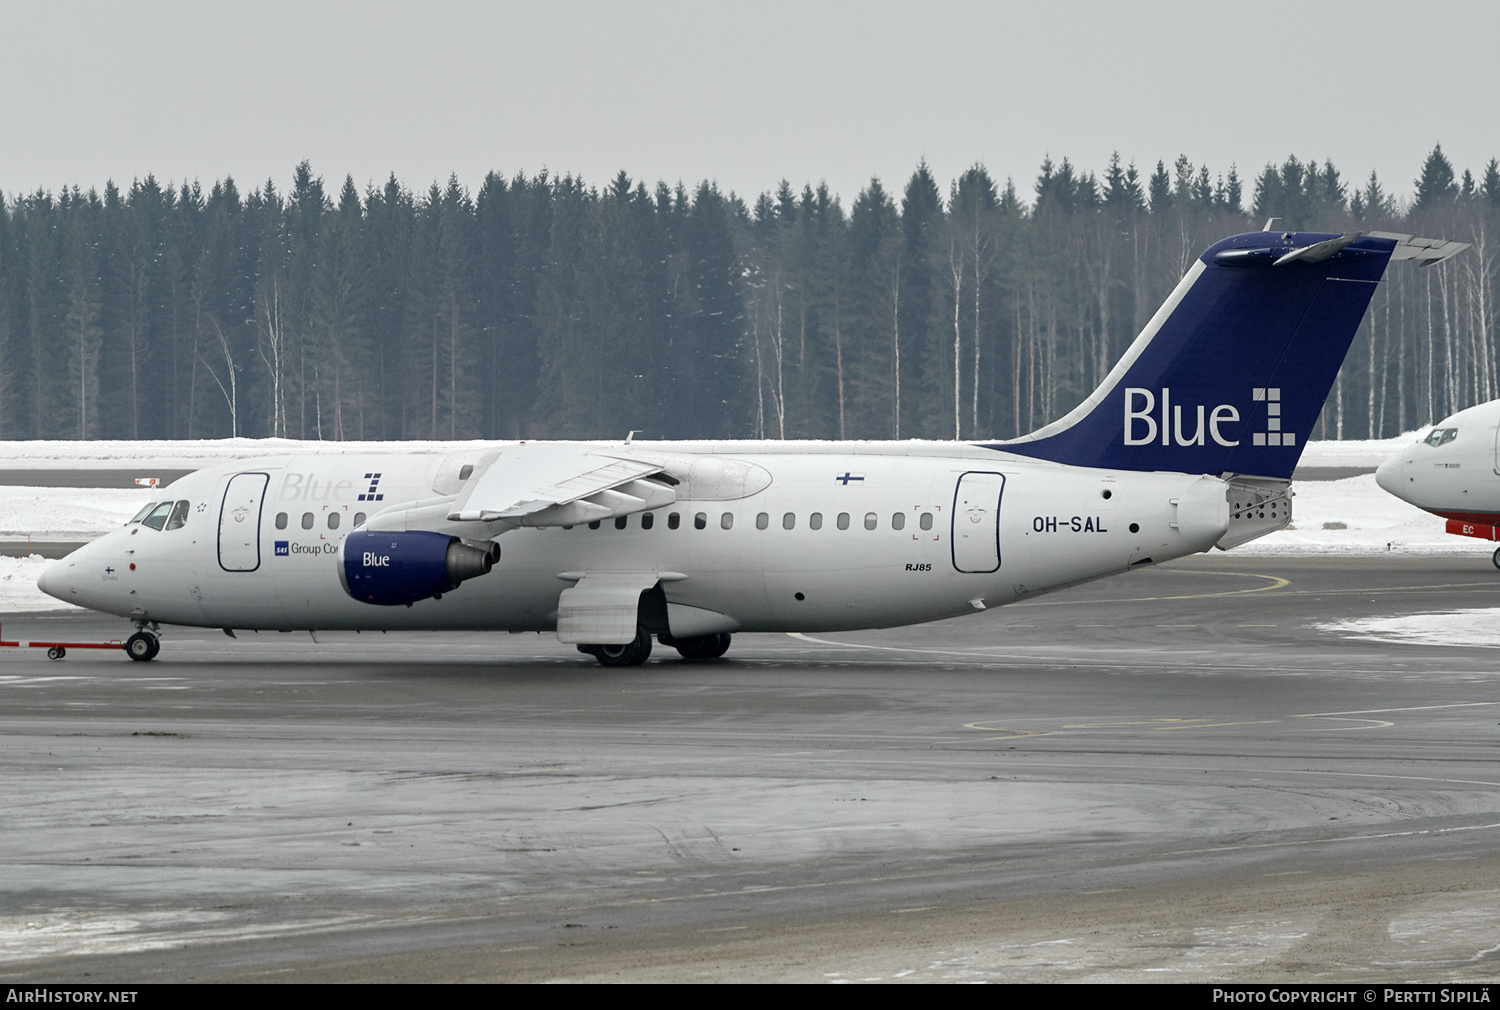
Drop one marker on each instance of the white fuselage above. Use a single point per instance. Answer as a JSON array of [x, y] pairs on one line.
[[853, 535]]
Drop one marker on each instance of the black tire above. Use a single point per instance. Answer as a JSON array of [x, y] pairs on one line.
[[630, 654], [702, 646], [56, 652], [1496, 557], [142, 647]]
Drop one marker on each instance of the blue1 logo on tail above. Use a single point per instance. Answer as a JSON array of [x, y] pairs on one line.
[[1143, 424]]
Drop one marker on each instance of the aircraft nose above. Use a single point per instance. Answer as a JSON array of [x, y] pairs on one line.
[[1389, 475]]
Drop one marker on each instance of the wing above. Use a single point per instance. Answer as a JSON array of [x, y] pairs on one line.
[[559, 484], [538, 484]]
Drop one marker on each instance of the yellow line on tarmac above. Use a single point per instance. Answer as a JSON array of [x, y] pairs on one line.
[[1275, 582]]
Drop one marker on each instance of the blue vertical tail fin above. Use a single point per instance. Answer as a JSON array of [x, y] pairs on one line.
[[1230, 374]]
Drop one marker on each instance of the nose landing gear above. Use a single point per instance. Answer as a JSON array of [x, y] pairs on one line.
[[142, 646]]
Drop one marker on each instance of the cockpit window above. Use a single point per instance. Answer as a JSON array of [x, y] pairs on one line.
[[1441, 436], [179, 515], [158, 516], [142, 513]]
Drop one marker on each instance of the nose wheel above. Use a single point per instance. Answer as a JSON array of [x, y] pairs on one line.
[[142, 646], [1496, 557]]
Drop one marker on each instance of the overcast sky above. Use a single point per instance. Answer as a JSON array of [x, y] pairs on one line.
[[744, 94]]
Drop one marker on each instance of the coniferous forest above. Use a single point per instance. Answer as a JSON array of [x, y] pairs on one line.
[[543, 307]]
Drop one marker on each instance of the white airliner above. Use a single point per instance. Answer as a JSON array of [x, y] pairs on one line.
[[1188, 444], [1454, 472]]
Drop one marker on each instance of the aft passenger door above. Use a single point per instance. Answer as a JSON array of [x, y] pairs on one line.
[[239, 522], [976, 522]]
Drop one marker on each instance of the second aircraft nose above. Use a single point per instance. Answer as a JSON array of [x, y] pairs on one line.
[[1389, 475]]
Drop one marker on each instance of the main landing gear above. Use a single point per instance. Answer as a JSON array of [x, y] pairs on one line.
[[143, 645], [701, 646], [635, 653], [630, 654], [1496, 557]]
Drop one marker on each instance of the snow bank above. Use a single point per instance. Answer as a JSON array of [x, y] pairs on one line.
[[18, 591], [180, 455]]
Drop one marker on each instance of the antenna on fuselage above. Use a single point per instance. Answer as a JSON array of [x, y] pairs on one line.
[[1270, 221], [630, 435]]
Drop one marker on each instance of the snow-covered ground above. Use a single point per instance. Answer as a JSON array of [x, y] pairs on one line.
[[18, 591], [183, 455], [1350, 516]]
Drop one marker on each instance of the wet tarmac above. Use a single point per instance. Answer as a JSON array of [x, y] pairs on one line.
[[1176, 774]]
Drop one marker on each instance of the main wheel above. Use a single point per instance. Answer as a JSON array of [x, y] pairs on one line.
[[56, 652], [630, 654], [142, 647], [1496, 557], [702, 646]]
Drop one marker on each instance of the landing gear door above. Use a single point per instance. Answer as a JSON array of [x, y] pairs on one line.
[[239, 522], [976, 522]]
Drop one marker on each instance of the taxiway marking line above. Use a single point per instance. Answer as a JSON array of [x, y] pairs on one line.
[[1276, 582]]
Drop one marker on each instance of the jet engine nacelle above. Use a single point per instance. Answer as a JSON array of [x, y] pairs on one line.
[[403, 567]]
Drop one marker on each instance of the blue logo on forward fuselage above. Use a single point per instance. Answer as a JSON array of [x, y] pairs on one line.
[[283, 548], [371, 495]]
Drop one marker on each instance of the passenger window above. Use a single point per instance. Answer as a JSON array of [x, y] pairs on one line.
[[762, 521], [898, 521], [674, 520], [359, 519], [700, 521], [926, 521], [142, 514], [789, 521], [333, 520], [281, 520], [179, 515], [621, 521], [815, 521], [843, 520], [647, 520], [871, 520], [307, 520], [726, 521], [158, 517]]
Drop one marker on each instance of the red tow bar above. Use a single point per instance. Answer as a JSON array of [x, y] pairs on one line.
[[57, 650]]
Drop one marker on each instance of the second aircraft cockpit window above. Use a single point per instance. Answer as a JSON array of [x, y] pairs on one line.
[[1441, 436]]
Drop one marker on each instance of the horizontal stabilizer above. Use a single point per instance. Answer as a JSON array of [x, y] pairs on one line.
[[1426, 251]]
